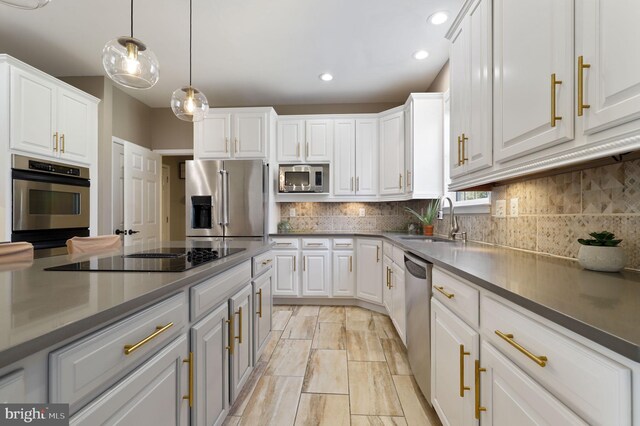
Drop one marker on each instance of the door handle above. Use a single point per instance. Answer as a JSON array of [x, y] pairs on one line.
[[259, 304], [230, 334], [464, 139], [479, 408], [352, 183], [554, 83], [128, 349], [226, 144], [221, 203], [190, 362], [350, 263], [62, 143], [55, 141], [581, 68], [377, 254], [462, 386], [226, 198], [118, 232], [358, 183], [131, 232], [239, 336], [236, 145]]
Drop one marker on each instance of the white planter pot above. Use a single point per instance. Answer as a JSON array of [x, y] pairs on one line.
[[604, 259]]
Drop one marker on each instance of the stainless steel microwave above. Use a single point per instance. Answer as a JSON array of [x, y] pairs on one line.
[[304, 178]]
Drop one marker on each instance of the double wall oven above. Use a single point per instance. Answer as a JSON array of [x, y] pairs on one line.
[[50, 203]]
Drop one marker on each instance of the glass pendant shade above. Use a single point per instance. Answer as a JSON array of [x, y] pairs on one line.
[[26, 4], [130, 63], [189, 104]]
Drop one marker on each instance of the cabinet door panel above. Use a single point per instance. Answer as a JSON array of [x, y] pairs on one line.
[[399, 310], [315, 273], [212, 137], [387, 290], [344, 158], [448, 333], [75, 121], [160, 382], [209, 340], [241, 306], [533, 40], [290, 138], [319, 140], [459, 110], [344, 275], [366, 157], [249, 135], [606, 30], [263, 301], [513, 398], [369, 270], [392, 154], [33, 113], [286, 273]]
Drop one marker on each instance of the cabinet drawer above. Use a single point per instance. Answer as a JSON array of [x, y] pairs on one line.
[[387, 249], [315, 243], [456, 295], [285, 243], [262, 262], [210, 293], [342, 243], [597, 388], [398, 257], [80, 370]]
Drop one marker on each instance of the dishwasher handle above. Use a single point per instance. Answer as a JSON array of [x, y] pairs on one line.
[[415, 267]]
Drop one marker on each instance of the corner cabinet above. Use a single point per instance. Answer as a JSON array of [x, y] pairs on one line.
[[392, 153], [241, 133], [51, 118]]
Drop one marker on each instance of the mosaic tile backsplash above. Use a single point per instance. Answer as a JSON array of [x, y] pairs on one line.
[[553, 212]]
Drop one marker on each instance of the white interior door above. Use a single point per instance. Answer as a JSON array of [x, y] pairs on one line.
[[166, 203], [117, 188], [142, 175]]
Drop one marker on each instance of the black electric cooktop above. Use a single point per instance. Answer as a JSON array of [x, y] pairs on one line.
[[166, 259]]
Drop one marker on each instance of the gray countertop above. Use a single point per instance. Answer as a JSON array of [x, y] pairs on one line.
[[39, 308], [603, 307]]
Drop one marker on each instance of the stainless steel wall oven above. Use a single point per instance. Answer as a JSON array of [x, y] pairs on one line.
[[50, 203]]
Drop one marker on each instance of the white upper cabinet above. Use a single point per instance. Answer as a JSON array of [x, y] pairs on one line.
[[344, 162], [233, 133], [319, 140], [534, 74], [471, 98], [424, 146], [366, 157], [290, 137], [607, 38], [50, 118], [392, 153]]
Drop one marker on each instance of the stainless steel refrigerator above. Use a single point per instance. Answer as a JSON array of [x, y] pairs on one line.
[[226, 198]]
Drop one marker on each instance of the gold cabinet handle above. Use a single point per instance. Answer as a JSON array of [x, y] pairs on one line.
[[266, 262], [357, 183], [159, 330], [239, 336], [226, 144], [62, 143], [351, 183], [479, 408], [377, 254], [441, 290], [343, 244], [541, 360], [307, 152], [190, 362], [387, 283], [304, 263], [581, 68], [459, 160], [315, 244], [55, 141], [295, 261], [554, 83], [408, 180], [259, 304], [350, 263], [390, 278], [298, 149], [283, 244], [464, 158], [236, 145], [230, 334], [462, 386], [400, 181]]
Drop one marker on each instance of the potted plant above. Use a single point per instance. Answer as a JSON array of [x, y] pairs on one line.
[[601, 253], [427, 217]]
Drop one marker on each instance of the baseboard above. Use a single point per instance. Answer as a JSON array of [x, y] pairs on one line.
[[329, 302]]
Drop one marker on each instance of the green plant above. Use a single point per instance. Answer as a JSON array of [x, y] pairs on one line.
[[430, 212], [602, 239]]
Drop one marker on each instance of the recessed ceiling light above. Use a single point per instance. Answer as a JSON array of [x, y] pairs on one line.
[[326, 76], [421, 54], [439, 18]]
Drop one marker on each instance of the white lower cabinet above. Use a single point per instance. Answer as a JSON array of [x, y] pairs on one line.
[[285, 272], [399, 312], [209, 344], [151, 395], [315, 273], [510, 397], [369, 270], [344, 275], [241, 309], [12, 388], [454, 350], [387, 290], [263, 300]]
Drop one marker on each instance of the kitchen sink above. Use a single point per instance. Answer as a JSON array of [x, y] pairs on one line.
[[425, 239]]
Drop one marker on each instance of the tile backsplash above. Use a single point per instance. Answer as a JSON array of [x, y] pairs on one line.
[[553, 212]]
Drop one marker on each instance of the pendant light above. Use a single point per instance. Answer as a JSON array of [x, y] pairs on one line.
[[26, 4], [129, 62], [188, 103]]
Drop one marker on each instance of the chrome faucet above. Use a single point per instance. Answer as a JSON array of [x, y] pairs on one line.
[[453, 227]]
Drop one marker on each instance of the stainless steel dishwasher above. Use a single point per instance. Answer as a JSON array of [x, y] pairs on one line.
[[418, 301]]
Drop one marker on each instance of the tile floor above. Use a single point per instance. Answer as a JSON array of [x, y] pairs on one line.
[[335, 366]]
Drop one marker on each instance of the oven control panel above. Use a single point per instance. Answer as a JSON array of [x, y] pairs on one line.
[[53, 168]]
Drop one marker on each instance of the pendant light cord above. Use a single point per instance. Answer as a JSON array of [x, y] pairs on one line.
[[131, 18], [190, 36]]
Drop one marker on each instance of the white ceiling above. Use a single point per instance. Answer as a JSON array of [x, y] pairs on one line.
[[246, 52]]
